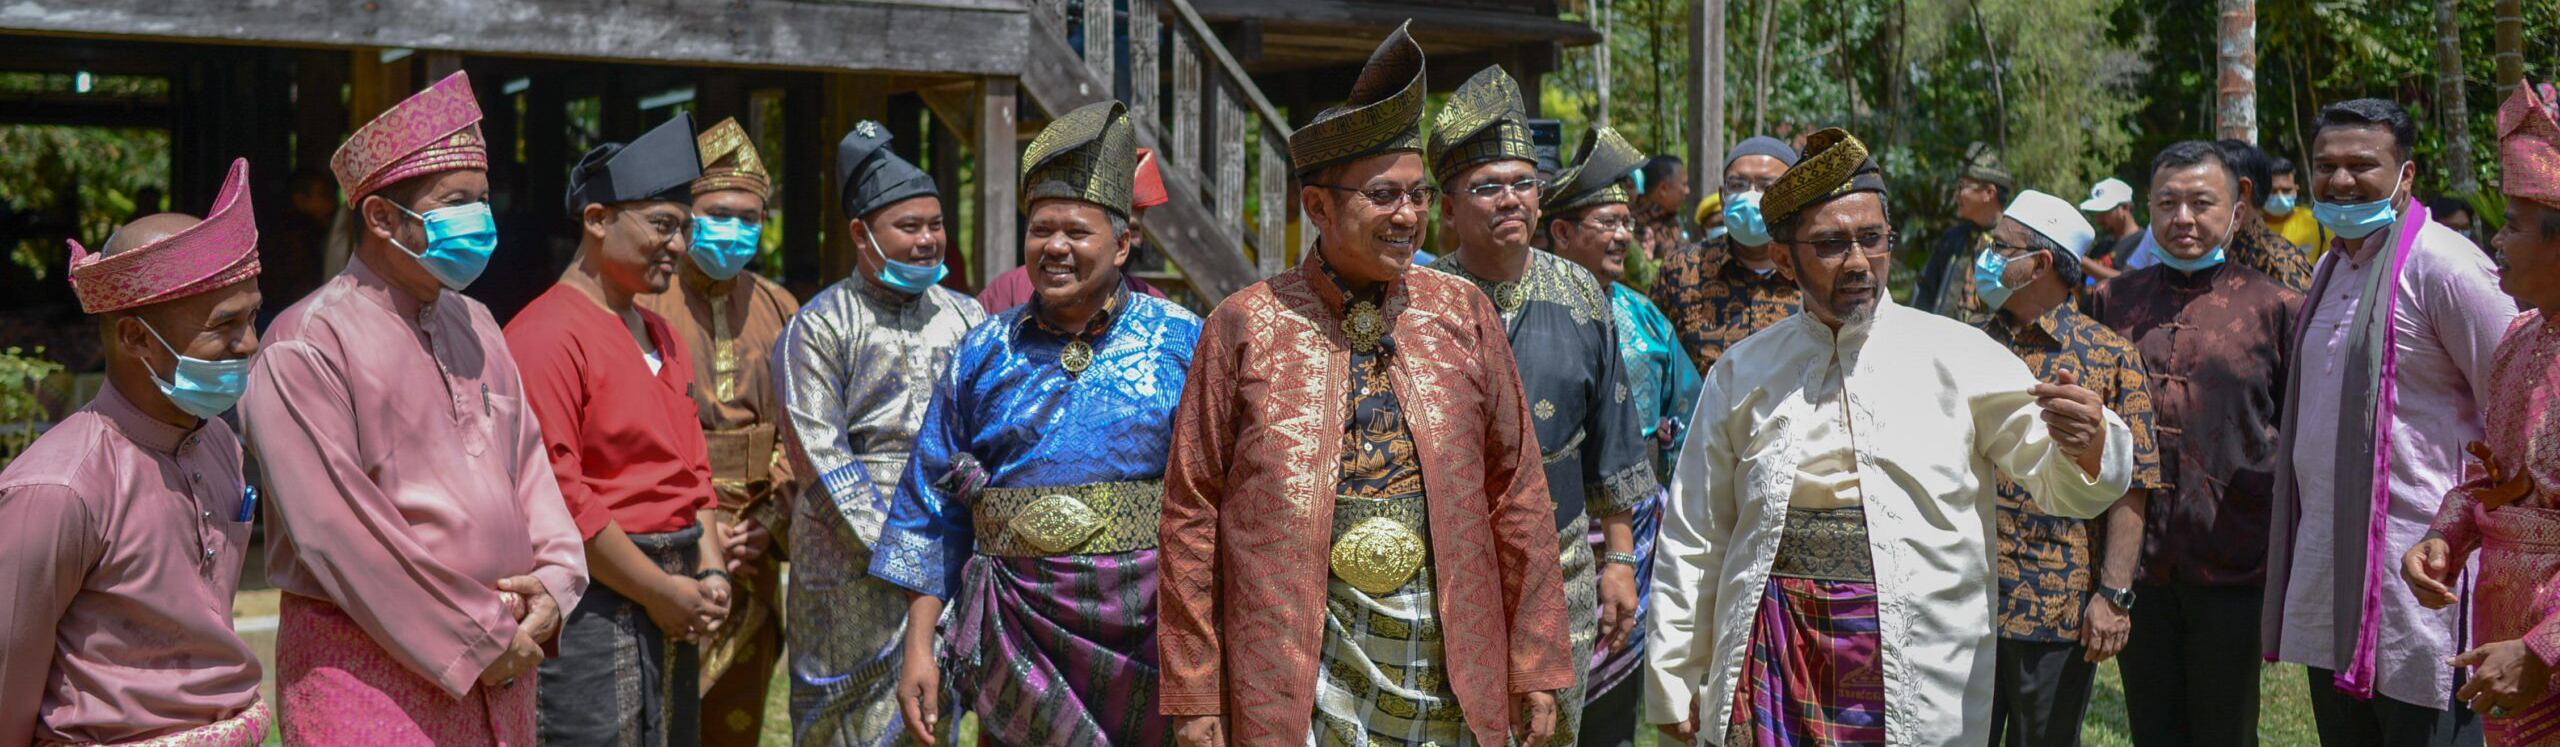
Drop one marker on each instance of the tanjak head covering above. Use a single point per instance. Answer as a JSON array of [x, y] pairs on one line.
[[1383, 114], [218, 251], [2529, 145], [1090, 154], [1483, 121], [659, 165], [870, 177], [435, 131], [1834, 165], [729, 161], [1600, 178], [1982, 163]]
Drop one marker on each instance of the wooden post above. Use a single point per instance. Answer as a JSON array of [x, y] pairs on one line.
[[1706, 95], [2236, 92], [999, 241]]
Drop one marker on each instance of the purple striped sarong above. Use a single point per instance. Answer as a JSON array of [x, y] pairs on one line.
[[1815, 676], [1611, 668], [1057, 650]]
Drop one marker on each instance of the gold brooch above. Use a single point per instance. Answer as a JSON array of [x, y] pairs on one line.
[[1056, 523], [1377, 556], [1076, 357], [1508, 296], [1364, 327]]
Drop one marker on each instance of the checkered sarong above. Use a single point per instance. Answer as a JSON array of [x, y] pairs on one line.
[[1815, 676], [1382, 678]]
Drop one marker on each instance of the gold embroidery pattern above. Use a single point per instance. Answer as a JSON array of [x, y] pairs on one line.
[[1092, 519], [1378, 543], [1825, 544]]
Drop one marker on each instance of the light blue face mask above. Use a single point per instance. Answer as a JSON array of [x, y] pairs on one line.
[[459, 240], [2357, 220], [900, 276], [1742, 219], [202, 388], [2279, 205], [2192, 266], [1989, 269], [1717, 232], [723, 246]]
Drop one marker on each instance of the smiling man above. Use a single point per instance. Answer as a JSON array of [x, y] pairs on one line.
[[1030, 504], [122, 527], [2402, 322], [857, 368], [1357, 542], [1825, 572], [612, 386], [1599, 466]]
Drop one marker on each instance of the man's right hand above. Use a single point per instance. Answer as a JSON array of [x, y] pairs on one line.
[[680, 608], [919, 688], [1200, 731], [2429, 571], [1685, 732], [520, 658]]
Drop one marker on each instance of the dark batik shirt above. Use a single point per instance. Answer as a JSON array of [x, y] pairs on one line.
[[2259, 248], [2048, 564], [1956, 299], [1588, 426], [1714, 301], [2217, 344]]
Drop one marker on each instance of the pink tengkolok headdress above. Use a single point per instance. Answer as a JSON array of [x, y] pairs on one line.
[[218, 251], [2529, 145], [436, 130]]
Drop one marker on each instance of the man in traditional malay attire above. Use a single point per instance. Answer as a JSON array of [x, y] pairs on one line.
[[414, 524], [857, 368], [2391, 379], [1824, 573], [728, 318], [1598, 465], [1983, 187], [1357, 543], [1014, 287], [611, 383], [1663, 386], [1721, 290], [1030, 504], [122, 527], [2066, 584], [2508, 510]]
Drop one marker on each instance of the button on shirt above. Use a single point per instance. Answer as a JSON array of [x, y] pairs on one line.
[[120, 547]]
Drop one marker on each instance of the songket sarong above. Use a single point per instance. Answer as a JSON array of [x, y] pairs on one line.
[[1383, 678], [249, 729], [846, 628], [1609, 669], [618, 681], [738, 658], [1582, 614], [2519, 564], [1815, 673], [338, 687]]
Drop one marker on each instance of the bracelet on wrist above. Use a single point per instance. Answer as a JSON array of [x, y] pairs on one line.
[[706, 574], [1627, 559]]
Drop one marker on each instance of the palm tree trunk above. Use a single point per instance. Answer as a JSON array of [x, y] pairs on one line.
[[2463, 179], [2236, 89], [1760, 65], [2510, 41]]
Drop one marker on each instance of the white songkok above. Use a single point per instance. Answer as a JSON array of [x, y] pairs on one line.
[[2055, 218]]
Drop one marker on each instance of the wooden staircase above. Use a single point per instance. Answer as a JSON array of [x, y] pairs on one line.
[[1222, 147]]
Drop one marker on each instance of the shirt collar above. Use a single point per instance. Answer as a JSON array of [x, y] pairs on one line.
[[141, 428], [1113, 308], [1330, 291], [370, 284], [2049, 325]]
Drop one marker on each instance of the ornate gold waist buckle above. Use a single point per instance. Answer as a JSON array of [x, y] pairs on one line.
[[1092, 519], [1378, 543]]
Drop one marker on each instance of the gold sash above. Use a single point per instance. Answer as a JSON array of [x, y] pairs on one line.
[[1825, 544], [1093, 519], [741, 457]]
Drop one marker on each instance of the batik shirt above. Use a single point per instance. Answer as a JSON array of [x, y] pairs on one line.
[[1579, 402], [2259, 248], [2047, 563], [1715, 301], [1007, 403], [1664, 384], [1956, 299]]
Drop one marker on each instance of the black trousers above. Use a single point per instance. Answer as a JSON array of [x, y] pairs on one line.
[[2040, 690], [2345, 721], [2191, 666], [1614, 718]]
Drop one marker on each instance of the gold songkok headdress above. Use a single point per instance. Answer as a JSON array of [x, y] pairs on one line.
[[1834, 164], [1483, 121], [1383, 114], [729, 161], [1600, 178], [1091, 154]]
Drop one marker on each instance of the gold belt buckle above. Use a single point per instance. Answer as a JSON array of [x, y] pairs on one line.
[[1377, 555], [1056, 523]]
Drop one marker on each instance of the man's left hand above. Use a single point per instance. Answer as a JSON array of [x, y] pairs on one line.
[[2504, 675], [2072, 413], [1533, 717], [2104, 629], [1617, 605]]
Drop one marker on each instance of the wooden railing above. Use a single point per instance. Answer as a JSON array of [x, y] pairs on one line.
[[1222, 147]]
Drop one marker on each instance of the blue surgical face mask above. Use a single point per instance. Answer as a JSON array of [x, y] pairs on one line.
[[200, 387], [2202, 262], [1742, 219], [459, 240], [2357, 220], [2279, 205], [1989, 269], [723, 246], [1717, 232], [900, 276]]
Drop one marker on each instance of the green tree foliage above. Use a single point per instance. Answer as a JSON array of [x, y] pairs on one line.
[[58, 181]]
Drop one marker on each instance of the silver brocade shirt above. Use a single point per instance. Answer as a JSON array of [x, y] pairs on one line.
[[857, 367]]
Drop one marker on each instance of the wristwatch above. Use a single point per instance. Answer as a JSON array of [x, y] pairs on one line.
[[2121, 598]]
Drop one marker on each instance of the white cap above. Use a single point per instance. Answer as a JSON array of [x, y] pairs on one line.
[[2053, 217], [2107, 195]]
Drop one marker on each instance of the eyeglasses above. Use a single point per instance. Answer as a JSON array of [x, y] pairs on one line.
[[1612, 225], [1390, 198], [2009, 250], [666, 229], [1874, 244], [1495, 190]]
